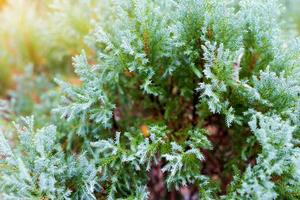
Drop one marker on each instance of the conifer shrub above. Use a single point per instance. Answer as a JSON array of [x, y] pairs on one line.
[[194, 95]]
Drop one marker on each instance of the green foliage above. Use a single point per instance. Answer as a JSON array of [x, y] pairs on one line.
[[38, 168], [171, 83]]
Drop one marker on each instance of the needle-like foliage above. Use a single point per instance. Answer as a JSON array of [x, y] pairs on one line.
[[203, 92]]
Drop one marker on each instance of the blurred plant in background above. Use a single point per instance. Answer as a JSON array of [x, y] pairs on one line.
[[293, 11], [44, 33]]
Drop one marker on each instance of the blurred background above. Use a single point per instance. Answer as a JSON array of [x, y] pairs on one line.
[[293, 11], [43, 35], [38, 39]]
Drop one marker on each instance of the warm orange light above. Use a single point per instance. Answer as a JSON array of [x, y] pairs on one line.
[[2, 3], [145, 130]]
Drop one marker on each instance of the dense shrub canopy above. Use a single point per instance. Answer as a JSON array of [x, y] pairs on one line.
[[206, 92]]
